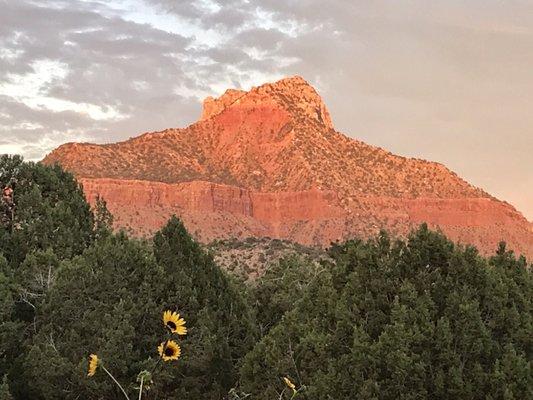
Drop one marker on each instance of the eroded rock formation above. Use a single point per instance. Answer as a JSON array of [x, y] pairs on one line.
[[268, 162]]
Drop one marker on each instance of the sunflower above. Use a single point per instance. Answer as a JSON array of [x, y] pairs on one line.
[[289, 383], [174, 323], [93, 364], [169, 350]]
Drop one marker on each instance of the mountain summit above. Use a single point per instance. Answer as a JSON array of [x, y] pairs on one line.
[[268, 162], [293, 94]]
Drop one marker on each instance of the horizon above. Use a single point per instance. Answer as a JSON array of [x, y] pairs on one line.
[[445, 83]]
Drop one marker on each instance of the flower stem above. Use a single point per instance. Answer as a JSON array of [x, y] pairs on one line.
[[158, 361], [141, 388], [161, 355], [114, 380], [295, 393]]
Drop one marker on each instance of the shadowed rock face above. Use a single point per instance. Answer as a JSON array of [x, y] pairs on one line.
[[268, 162]]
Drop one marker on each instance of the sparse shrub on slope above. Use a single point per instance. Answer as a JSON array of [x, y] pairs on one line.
[[403, 320]]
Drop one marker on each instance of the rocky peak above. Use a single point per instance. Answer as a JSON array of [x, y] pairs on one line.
[[213, 106], [300, 98], [267, 163], [294, 94]]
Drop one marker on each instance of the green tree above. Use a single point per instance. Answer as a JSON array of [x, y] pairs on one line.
[[282, 285], [11, 329], [50, 212], [102, 302], [110, 300], [50, 221], [35, 277], [222, 328], [103, 219], [411, 319]]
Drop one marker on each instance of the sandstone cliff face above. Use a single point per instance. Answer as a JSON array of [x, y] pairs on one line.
[[213, 211], [268, 162]]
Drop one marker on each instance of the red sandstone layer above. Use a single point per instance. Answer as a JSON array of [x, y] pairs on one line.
[[213, 211]]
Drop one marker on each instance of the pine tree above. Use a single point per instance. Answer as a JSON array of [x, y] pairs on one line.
[[103, 219], [102, 302]]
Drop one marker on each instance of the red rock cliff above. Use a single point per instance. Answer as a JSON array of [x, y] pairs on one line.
[[268, 162]]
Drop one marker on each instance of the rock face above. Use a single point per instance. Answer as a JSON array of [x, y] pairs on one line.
[[268, 162]]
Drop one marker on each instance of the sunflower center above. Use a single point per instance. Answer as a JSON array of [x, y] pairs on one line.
[[171, 325], [169, 352]]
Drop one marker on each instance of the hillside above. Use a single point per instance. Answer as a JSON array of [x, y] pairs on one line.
[[250, 258], [269, 162]]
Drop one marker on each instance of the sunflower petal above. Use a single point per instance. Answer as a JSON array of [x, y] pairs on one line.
[[93, 364], [169, 350], [174, 323]]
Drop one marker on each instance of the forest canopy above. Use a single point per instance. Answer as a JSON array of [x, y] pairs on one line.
[[383, 318]]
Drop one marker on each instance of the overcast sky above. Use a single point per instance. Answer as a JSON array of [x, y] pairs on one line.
[[444, 80]]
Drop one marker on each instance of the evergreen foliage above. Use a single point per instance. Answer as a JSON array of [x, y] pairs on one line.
[[50, 211], [381, 319], [222, 328], [95, 291], [404, 320], [50, 221], [113, 313], [103, 219], [121, 288], [276, 292]]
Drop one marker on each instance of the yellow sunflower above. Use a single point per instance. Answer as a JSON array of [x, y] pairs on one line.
[[93, 364], [174, 323], [169, 350], [289, 383]]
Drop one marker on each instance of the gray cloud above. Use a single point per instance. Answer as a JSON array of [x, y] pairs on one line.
[[448, 81]]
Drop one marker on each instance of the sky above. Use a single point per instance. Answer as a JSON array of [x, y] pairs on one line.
[[444, 80]]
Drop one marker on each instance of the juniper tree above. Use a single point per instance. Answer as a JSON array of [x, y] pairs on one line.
[[109, 301], [411, 319]]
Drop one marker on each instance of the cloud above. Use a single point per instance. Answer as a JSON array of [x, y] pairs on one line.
[[31, 90], [80, 58]]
